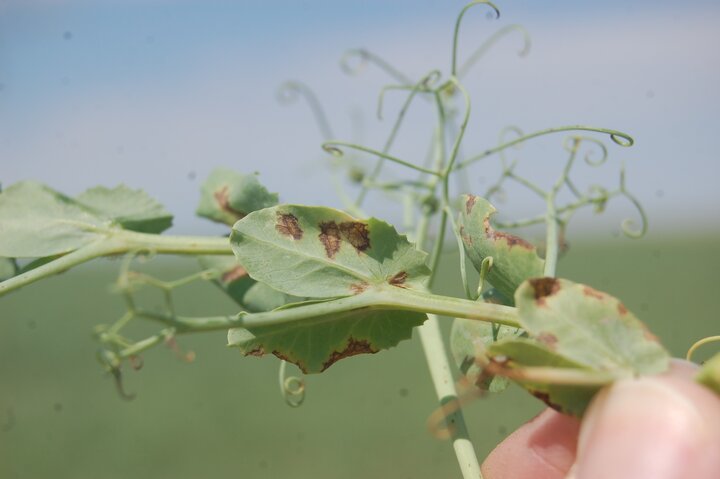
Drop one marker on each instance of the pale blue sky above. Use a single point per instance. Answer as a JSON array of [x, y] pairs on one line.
[[152, 93]]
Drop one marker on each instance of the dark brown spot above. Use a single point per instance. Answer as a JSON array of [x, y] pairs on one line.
[[233, 274], [287, 224], [622, 309], [543, 287], [548, 339], [510, 239], [470, 203], [222, 198], [354, 347], [330, 238], [258, 351], [356, 233], [398, 279], [297, 363], [593, 293], [545, 397], [358, 288]]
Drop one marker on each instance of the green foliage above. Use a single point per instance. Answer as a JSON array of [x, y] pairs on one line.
[[131, 209], [468, 341], [321, 252], [37, 221], [331, 334], [227, 196], [529, 353], [317, 285], [513, 259], [589, 327]]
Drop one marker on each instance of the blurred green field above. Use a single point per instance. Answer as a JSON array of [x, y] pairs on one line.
[[222, 416]]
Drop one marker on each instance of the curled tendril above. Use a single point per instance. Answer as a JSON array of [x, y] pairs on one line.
[[698, 344], [618, 137], [502, 139], [333, 147], [577, 140], [456, 33], [628, 224], [425, 84], [291, 387], [111, 363], [490, 42], [291, 92], [599, 197], [622, 139], [171, 343], [365, 57]]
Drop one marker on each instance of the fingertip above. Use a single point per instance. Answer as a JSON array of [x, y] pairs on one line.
[[543, 448]]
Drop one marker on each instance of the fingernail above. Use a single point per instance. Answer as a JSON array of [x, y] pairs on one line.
[[639, 428]]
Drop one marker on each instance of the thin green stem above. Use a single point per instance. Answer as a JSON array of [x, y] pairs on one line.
[[119, 242], [441, 374], [622, 139], [332, 147]]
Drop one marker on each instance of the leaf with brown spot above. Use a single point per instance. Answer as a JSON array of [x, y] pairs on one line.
[[227, 196], [330, 238], [328, 332], [233, 279], [526, 352], [319, 252], [287, 225], [514, 259], [589, 327]]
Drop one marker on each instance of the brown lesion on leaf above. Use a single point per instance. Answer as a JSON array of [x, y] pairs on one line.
[[357, 288], [233, 274], [330, 238], [222, 198], [545, 397], [398, 279], [544, 287], [287, 224], [470, 203], [356, 233], [548, 339], [593, 293], [493, 235], [258, 351], [622, 309], [467, 239], [353, 348]]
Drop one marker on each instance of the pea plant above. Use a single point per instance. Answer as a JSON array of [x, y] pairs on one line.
[[315, 285]]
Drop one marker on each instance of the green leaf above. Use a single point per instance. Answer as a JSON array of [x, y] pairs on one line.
[[709, 374], [37, 222], [469, 338], [231, 276], [245, 291], [319, 252], [327, 335], [227, 196], [527, 352], [131, 209], [8, 268], [514, 259], [588, 327]]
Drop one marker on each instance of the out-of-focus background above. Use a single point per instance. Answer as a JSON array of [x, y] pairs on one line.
[[155, 94]]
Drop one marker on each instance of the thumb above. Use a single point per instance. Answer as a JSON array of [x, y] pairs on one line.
[[661, 427]]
